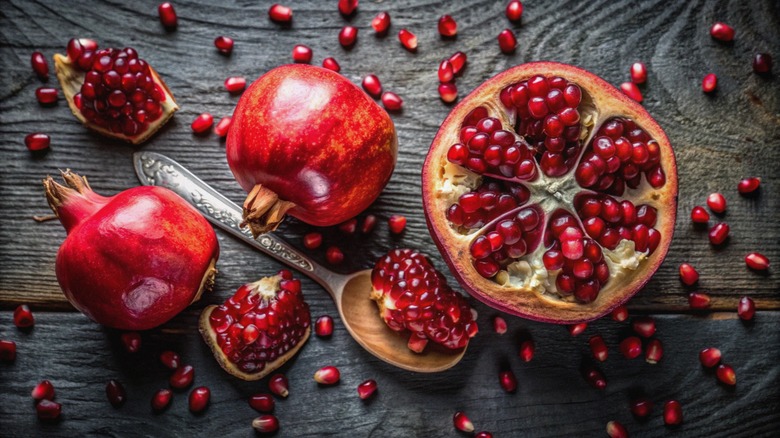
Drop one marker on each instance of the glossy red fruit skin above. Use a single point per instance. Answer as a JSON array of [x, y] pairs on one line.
[[272, 133]]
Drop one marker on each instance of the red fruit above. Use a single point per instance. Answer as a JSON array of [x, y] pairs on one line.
[[161, 400], [170, 359], [757, 261], [266, 424], [312, 240], [37, 141], [369, 222], [7, 351], [448, 92], [594, 377], [672, 413], [333, 255], [235, 84], [222, 127], [762, 63], [508, 381], [39, 65], [278, 385], [48, 410], [709, 357], [499, 325], [408, 40], [372, 86], [301, 54], [199, 399], [224, 44], [719, 233], [644, 326], [716, 202], [458, 61], [131, 341], [507, 41], [397, 223], [722, 32], [749, 185], [420, 301], [259, 328], [324, 326], [698, 300], [328, 375], [514, 10], [46, 95], [331, 64], [366, 389], [654, 351], [709, 83], [279, 139], [280, 13], [43, 391], [746, 308], [631, 347], [182, 377], [392, 101], [726, 375], [576, 329], [168, 16], [202, 123], [632, 91], [616, 430], [23, 317], [620, 314], [641, 407], [462, 422], [447, 26], [348, 36], [381, 22], [638, 73], [262, 402], [699, 215], [446, 73], [347, 7], [598, 348], [545, 259], [527, 349], [688, 274], [115, 393]]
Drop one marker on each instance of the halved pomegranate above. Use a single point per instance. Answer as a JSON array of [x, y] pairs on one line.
[[550, 194]]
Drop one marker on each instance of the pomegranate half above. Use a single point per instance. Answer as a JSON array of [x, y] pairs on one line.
[[307, 142], [550, 194]]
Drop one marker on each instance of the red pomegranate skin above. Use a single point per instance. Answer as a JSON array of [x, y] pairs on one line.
[[315, 139], [135, 260]]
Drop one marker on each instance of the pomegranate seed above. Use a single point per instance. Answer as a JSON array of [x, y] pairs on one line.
[[324, 326], [726, 374], [37, 141], [462, 422], [458, 61], [372, 86], [620, 314], [757, 261], [349, 226], [709, 357], [408, 40], [43, 391], [746, 308], [224, 44], [499, 325], [161, 399], [447, 26], [594, 377], [381, 22], [328, 375], [131, 341], [392, 101], [688, 274], [266, 424], [762, 63], [654, 351], [598, 348], [347, 7], [749, 185], [262, 402], [631, 90], [312, 240], [46, 95], [397, 223], [202, 123], [719, 233], [302, 54], [507, 41], [716, 202], [280, 14], [644, 326], [348, 36], [508, 381], [527, 349], [446, 73], [672, 413], [722, 32], [234, 84], [631, 347], [448, 92], [698, 300], [638, 73], [182, 377], [483, 435], [334, 256], [699, 215], [576, 329], [366, 389], [115, 393], [167, 15], [616, 430], [278, 385], [170, 359], [331, 64], [222, 127], [709, 83], [7, 351], [39, 65], [369, 222], [23, 317], [514, 10], [641, 407], [199, 399], [48, 410]]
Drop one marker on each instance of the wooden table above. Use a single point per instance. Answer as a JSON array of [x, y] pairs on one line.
[[718, 139]]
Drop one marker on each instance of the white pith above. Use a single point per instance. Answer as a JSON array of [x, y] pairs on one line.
[[266, 287]]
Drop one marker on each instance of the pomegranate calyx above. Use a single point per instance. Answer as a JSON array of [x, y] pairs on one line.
[[74, 203], [263, 210]]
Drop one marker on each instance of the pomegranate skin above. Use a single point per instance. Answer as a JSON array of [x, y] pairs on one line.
[[315, 140], [134, 260]]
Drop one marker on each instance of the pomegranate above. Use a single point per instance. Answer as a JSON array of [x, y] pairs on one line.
[[120, 265], [550, 194], [113, 92], [412, 295], [259, 328], [307, 142]]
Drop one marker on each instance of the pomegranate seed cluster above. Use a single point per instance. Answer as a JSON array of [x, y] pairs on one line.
[[509, 239], [609, 221], [412, 295], [487, 202], [253, 328]]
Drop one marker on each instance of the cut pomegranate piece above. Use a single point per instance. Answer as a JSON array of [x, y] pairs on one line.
[[514, 10], [408, 40], [280, 13], [224, 44], [448, 27], [381, 22], [259, 328], [168, 16], [367, 389]]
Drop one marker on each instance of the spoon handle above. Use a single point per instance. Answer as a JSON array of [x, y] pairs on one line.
[[155, 169]]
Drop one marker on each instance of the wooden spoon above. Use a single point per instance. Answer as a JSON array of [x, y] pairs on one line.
[[350, 292]]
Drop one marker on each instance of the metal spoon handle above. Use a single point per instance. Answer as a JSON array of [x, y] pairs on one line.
[[158, 170]]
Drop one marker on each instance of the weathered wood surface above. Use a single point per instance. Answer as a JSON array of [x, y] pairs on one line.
[[718, 139]]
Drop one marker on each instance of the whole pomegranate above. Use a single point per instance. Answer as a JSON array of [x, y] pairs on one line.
[[134, 260], [550, 194], [307, 142]]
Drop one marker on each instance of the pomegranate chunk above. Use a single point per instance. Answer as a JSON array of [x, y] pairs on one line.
[[514, 10], [447, 26], [638, 73], [722, 32], [381, 22], [224, 44], [762, 63], [757, 261], [199, 399], [23, 317], [7, 351], [366, 389], [462, 422], [37, 141], [746, 308], [709, 357], [408, 40], [202, 123], [348, 36], [168, 16], [749, 185], [631, 90], [328, 375], [392, 101], [507, 41], [266, 424], [331, 64], [672, 413], [280, 13], [39, 65], [709, 83], [372, 86], [262, 403], [302, 54]]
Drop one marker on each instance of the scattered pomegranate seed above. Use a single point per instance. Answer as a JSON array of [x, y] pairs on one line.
[[620, 314], [598, 348], [182, 377], [39, 65], [746, 308], [381, 22], [369, 222], [161, 399], [514, 10], [716, 202], [222, 127], [594, 377], [348, 36], [7, 351], [48, 410], [698, 300], [280, 14], [527, 350], [709, 83], [458, 61], [224, 44], [324, 326], [46, 95], [262, 402], [499, 325], [23, 317], [279, 385], [168, 16], [446, 73], [508, 380], [312, 240], [372, 86], [641, 407], [235, 84], [722, 32], [719, 233], [631, 90], [349, 226], [331, 64], [328, 375], [644, 326], [483, 435], [199, 399], [302, 54], [616, 430], [762, 63], [709, 357], [397, 223], [43, 391], [170, 359], [115, 392], [631, 347], [448, 92], [334, 256], [366, 389], [37, 141], [757, 261], [688, 274], [447, 26], [131, 341], [408, 40], [654, 351], [266, 424], [347, 7], [507, 41], [749, 185], [638, 73], [202, 123], [462, 422], [392, 101], [699, 215], [576, 329], [672, 413], [726, 374]]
